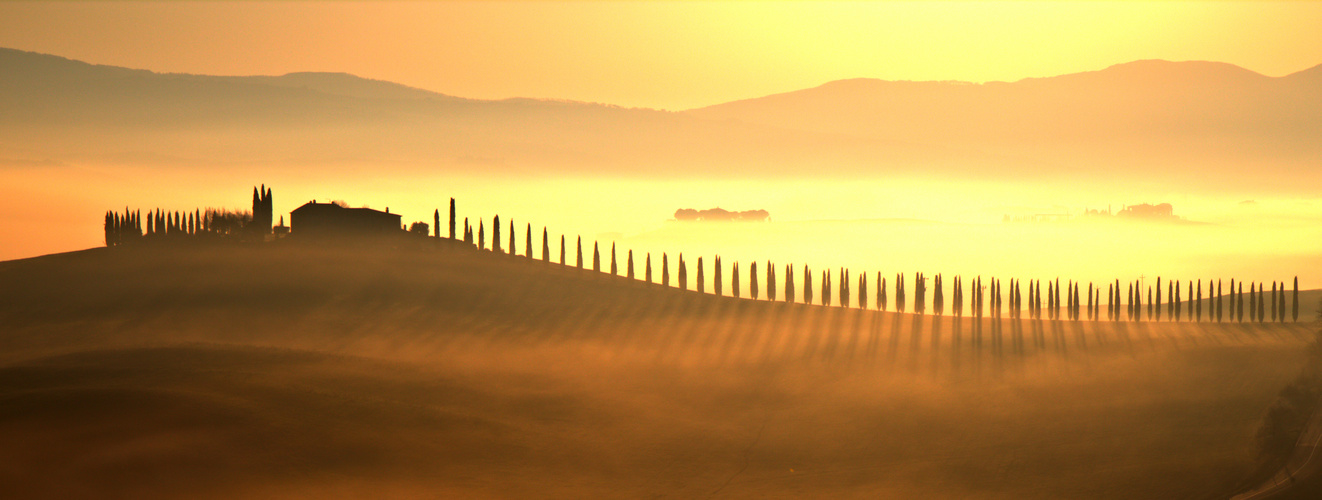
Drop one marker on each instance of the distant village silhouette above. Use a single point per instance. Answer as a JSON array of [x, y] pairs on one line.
[[335, 223]]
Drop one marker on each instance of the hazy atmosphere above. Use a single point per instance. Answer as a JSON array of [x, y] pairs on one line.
[[664, 249]]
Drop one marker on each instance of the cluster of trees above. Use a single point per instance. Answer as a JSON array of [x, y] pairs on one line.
[[132, 226], [1062, 301]]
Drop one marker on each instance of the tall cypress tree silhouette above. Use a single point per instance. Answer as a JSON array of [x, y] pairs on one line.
[[826, 288], [1262, 313], [580, 252], [1090, 301], [789, 283], [481, 236], [862, 290], [752, 280], [1156, 302], [514, 249], [546, 245], [1077, 302], [899, 293], [881, 292], [683, 273], [771, 282], [844, 288], [716, 275], [1219, 300], [1179, 303], [1253, 303], [807, 285], [596, 257], [1198, 304], [1281, 306], [1149, 304], [665, 269], [527, 243], [734, 279], [1273, 300], [1294, 306], [647, 270], [629, 266], [495, 235], [436, 223], [1238, 311], [452, 218], [614, 269], [702, 286], [562, 249]]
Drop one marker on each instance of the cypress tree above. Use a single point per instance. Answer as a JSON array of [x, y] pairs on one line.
[[900, 301], [1170, 300], [1238, 311], [436, 223], [562, 249], [1294, 307], [580, 252], [1253, 304], [1219, 300], [826, 288], [468, 232], [752, 280], [1090, 301], [514, 249], [1051, 302], [546, 245], [716, 271], [1198, 305], [881, 292], [1149, 303], [629, 266], [481, 236], [1156, 302], [702, 283], [596, 257], [734, 279], [614, 270], [1281, 307], [665, 269], [844, 288], [683, 273], [527, 243], [1274, 301], [1190, 305], [807, 285], [1262, 313], [862, 290], [495, 234], [647, 270], [771, 282], [452, 219], [1179, 303], [1076, 302], [789, 283]]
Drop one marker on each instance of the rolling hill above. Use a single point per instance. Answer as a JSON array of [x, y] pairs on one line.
[[282, 371], [1145, 120]]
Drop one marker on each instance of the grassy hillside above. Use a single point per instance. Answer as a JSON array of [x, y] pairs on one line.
[[283, 371]]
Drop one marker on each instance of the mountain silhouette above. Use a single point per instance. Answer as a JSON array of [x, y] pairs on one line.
[[1144, 119]]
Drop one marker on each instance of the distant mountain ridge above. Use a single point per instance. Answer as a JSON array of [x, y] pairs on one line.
[[1179, 119]]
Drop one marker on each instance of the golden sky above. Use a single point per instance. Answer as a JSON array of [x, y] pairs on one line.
[[671, 55]]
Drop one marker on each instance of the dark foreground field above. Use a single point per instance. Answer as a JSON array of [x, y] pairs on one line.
[[283, 372]]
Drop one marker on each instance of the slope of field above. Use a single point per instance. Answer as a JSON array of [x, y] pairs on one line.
[[282, 371]]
